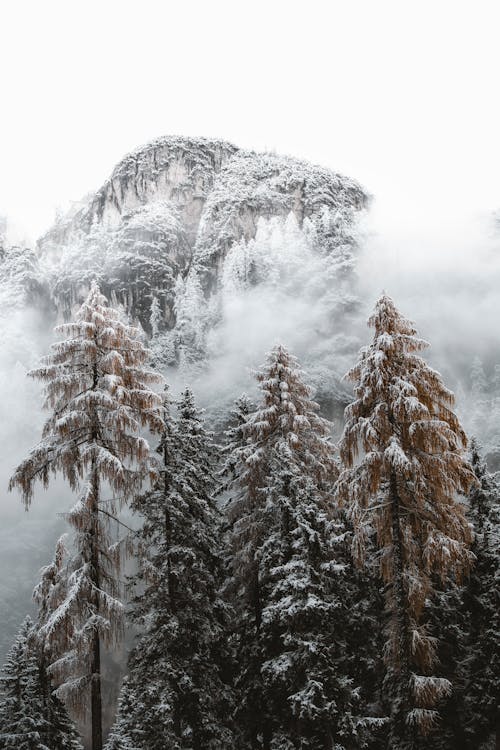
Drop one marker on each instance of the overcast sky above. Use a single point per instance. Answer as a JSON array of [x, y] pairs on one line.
[[401, 95]]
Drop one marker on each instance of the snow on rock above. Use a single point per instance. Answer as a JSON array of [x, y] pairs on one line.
[[178, 202]]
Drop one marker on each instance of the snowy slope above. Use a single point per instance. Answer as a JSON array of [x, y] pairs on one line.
[[177, 202]]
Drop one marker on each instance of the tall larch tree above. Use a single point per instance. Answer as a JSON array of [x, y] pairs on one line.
[[100, 395], [291, 688], [177, 692], [405, 466]]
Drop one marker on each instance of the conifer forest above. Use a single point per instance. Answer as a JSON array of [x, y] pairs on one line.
[[250, 452]]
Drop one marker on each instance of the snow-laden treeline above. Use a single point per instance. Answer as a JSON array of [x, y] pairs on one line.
[[263, 562]]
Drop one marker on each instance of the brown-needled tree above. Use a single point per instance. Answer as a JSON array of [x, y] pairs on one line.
[[405, 468], [99, 391]]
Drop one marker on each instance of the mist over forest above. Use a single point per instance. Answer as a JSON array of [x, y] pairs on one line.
[[278, 252], [249, 376]]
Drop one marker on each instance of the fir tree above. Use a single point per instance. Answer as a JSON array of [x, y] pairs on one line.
[[403, 449], [30, 717], [479, 396], [292, 687], [22, 723], [176, 693], [234, 439], [99, 393], [119, 737], [466, 622], [481, 668], [155, 317], [49, 594], [191, 318], [304, 628]]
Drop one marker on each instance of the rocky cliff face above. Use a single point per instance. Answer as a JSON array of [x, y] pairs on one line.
[[178, 204], [218, 252]]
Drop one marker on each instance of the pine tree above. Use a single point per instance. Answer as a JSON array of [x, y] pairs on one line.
[[491, 441], [479, 396], [49, 594], [306, 685], [31, 718], [155, 317], [234, 439], [176, 694], [465, 620], [99, 392], [292, 687], [191, 317], [22, 723], [480, 668], [129, 706], [403, 449]]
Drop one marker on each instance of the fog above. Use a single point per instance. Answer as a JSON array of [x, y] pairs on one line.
[[443, 270], [402, 99]]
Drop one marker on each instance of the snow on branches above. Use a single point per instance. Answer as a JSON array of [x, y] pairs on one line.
[[403, 450]]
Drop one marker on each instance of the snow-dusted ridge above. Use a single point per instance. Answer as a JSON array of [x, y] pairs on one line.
[[210, 194]]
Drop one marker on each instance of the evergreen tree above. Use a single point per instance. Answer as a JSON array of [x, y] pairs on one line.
[[119, 737], [49, 594], [176, 694], [465, 621], [292, 686], [99, 393], [22, 723], [190, 310], [234, 439], [30, 717], [155, 317], [491, 440], [481, 668], [479, 397], [305, 675], [403, 449]]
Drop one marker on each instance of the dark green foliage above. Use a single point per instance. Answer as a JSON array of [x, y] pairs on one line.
[[176, 694], [480, 667], [295, 684], [31, 717], [465, 619]]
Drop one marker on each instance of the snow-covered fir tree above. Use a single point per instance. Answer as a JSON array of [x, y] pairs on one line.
[[177, 693], [31, 718], [305, 676], [292, 688], [191, 318], [481, 668], [22, 721], [403, 452], [479, 397], [49, 594], [465, 619], [99, 392], [119, 737], [234, 438], [155, 317]]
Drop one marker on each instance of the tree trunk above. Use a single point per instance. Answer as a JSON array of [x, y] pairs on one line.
[[95, 665], [399, 738], [168, 529], [267, 735]]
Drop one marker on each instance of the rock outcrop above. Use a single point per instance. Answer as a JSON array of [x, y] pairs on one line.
[[181, 203]]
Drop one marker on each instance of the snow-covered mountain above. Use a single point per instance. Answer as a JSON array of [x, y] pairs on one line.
[[217, 252], [181, 203], [198, 239]]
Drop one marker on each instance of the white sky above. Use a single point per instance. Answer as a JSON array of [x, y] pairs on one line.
[[403, 96]]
